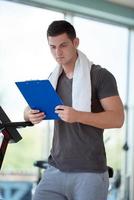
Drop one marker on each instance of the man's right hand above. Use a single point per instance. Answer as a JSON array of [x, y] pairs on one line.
[[34, 116]]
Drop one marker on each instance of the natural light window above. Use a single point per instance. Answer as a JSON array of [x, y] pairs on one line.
[[107, 45], [24, 55]]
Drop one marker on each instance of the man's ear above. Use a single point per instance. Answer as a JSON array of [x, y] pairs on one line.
[[76, 42]]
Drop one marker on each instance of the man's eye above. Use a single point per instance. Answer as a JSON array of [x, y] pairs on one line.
[[52, 47], [64, 45]]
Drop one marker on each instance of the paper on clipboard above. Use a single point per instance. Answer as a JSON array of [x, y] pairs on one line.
[[40, 95]]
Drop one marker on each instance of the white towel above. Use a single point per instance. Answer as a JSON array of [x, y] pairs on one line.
[[81, 87]]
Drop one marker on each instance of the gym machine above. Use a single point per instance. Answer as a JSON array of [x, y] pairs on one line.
[[9, 133]]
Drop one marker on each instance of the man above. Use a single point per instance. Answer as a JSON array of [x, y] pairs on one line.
[[77, 163]]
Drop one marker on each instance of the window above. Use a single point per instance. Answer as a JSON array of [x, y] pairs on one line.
[[106, 45], [24, 55]]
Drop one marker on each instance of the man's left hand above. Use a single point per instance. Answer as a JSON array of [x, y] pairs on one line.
[[66, 113]]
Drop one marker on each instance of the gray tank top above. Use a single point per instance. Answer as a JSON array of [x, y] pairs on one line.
[[77, 147]]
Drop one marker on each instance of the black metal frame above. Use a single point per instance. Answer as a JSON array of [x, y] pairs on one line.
[[9, 131]]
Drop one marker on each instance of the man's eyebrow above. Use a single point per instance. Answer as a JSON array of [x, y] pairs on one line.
[[66, 42]]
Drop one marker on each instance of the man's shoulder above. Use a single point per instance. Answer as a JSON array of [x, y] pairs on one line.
[[95, 71], [98, 71], [95, 68]]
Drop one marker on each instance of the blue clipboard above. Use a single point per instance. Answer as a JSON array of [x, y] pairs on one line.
[[40, 95]]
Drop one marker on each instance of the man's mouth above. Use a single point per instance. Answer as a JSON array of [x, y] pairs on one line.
[[59, 58]]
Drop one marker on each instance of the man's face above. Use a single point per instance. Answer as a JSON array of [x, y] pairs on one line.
[[63, 48]]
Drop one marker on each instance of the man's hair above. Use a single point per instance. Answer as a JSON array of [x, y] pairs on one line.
[[59, 27]]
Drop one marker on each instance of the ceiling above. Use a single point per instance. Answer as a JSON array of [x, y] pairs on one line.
[[128, 3]]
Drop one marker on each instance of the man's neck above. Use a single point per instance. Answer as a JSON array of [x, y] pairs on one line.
[[69, 68]]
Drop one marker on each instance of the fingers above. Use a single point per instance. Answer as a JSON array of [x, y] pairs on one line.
[[59, 112], [66, 113], [60, 107], [35, 116], [33, 111]]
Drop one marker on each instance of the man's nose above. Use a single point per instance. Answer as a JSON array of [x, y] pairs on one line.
[[58, 51]]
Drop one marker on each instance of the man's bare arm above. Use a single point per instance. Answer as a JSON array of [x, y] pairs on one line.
[[111, 117]]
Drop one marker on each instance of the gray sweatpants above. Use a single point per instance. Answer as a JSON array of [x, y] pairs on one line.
[[57, 185]]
